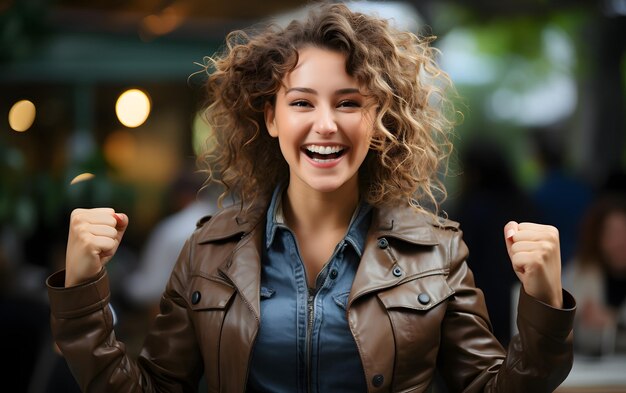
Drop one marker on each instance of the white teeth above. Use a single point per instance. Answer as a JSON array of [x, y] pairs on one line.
[[324, 149]]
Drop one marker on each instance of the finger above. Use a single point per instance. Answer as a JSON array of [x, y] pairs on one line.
[[103, 230], [103, 244], [536, 227], [536, 236], [122, 224], [103, 216], [532, 258], [524, 260], [121, 221], [510, 229], [94, 216], [524, 246]]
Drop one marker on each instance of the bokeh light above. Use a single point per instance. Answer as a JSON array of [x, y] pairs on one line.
[[133, 108], [22, 115], [120, 149], [82, 177]]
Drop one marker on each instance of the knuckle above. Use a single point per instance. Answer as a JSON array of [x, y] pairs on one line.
[[75, 217], [555, 236]]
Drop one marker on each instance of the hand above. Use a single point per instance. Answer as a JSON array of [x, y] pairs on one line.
[[535, 254], [93, 239]]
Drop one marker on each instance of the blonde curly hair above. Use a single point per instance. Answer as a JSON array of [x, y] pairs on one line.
[[410, 144]]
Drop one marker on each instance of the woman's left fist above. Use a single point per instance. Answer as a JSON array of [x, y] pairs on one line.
[[536, 257]]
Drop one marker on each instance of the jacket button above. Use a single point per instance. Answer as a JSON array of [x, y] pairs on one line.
[[333, 274], [423, 298], [195, 297], [378, 380], [383, 243], [397, 271]]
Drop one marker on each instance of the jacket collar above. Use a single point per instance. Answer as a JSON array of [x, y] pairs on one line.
[[404, 223], [243, 267], [401, 222], [375, 270], [232, 221]]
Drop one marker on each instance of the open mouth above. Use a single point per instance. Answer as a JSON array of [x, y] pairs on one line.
[[324, 153]]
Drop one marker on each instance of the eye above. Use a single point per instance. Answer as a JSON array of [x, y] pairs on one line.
[[349, 104], [300, 103]]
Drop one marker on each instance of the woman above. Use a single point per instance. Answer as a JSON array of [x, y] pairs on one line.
[[331, 275], [597, 276]]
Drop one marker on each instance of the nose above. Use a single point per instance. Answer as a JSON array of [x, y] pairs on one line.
[[325, 122]]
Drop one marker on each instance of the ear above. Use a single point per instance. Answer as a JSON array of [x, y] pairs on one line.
[[270, 119]]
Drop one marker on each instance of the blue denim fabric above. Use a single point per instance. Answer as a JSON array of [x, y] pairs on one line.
[[287, 358]]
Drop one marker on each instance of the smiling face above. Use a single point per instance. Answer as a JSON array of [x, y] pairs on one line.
[[323, 122]]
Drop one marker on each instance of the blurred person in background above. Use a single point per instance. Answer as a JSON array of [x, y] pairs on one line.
[[188, 201], [561, 197], [597, 277]]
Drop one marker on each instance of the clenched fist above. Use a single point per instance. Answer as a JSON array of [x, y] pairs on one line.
[[535, 253], [93, 239]]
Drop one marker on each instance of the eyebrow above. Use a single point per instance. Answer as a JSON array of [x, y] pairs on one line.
[[348, 90]]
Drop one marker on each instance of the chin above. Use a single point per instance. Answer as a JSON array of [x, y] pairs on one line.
[[329, 186]]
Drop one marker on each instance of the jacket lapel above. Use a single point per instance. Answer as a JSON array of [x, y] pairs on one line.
[[244, 268]]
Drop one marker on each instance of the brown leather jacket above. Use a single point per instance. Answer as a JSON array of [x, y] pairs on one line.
[[413, 309]]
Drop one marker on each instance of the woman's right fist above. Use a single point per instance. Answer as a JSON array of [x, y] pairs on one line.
[[93, 239]]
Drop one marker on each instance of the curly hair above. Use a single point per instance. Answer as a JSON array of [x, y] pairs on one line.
[[410, 145]]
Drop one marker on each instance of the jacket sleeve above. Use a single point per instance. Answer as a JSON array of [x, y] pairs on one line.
[[82, 327], [471, 359]]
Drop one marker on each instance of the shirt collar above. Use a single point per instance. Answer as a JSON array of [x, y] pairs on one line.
[[357, 230], [275, 216]]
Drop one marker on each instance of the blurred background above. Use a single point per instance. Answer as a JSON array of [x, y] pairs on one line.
[[99, 105]]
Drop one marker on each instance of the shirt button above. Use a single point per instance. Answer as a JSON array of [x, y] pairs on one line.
[[378, 380], [333, 274], [195, 297], [383, 243], [423, 298], [397, 271]]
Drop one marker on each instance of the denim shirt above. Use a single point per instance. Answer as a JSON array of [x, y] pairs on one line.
[[304, 343]]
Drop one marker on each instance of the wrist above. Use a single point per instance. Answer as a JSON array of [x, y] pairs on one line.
[[73, 278]]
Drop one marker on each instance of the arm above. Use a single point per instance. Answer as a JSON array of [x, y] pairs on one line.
[[82, 327], [471, 359]]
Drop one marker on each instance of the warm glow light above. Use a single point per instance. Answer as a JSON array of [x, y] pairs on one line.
[[22, 115], [132, 108], [120, 149], [164, 22], [82, 177]]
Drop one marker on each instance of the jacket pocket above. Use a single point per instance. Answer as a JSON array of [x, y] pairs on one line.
[[206, 294], [416, 309], [421, 294]]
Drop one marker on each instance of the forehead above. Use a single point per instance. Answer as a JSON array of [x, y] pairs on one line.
[[319, 66]]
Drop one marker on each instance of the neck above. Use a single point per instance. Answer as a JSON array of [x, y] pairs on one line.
[[319, 211]]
